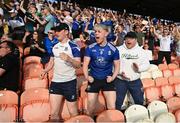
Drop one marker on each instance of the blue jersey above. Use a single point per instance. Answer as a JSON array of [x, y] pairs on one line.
[[50, 44], [102, 59]]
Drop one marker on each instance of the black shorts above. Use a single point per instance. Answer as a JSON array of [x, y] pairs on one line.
[[66, 89], [98, 85]]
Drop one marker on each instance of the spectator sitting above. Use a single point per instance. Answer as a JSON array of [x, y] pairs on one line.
[[9, 66]]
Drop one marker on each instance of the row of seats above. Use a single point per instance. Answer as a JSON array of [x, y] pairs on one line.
[[34, 106]]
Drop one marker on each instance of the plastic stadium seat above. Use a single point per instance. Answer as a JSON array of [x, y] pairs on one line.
[[35, 83], [173, 66], [156, 74], [32, 59], [80, 119], [152, 93], [176, 72], [167, 91], [165, 118], [8, 106], [136, 112], [162, 67], [145, 121], [99, 107], [110, 116], [35, 105], [155, 108], [173, 104], [148, 82], [32, 71], [177, 115], [152, 68], [167, 73], [160, 81], [145, 75], [177, 89], [174, 80]]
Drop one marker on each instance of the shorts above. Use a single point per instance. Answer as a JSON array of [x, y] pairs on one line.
[[98, 85], [66, 89]]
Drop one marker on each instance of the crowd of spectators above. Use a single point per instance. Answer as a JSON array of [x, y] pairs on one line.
[[34, 24]]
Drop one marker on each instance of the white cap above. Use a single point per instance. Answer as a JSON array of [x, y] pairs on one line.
[[13, 11]]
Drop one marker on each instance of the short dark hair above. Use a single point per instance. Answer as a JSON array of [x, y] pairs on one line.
[[131, 35], [12, 46], [62, 26]]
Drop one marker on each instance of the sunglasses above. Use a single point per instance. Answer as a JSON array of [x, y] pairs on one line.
[[50, 32]]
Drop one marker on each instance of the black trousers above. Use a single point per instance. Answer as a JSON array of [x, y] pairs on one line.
[[166, 54]]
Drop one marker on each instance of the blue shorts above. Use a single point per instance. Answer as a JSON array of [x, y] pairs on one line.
[[66, 89], [98, 85]]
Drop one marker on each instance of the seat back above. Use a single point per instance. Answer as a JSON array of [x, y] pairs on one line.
[[177, 115], [35, 83], [110, 116], [156, 74], [80, 119], [172, 66], [145, 121], [173, 104], [174, 80], [167, 91], [167, 73], [152, 93], [145, 75], [152, 67], [148, 83], [176, 72], [160, 81], [155, 108], [32, 59], [165, 118], [136, 112], [35, 105], [32, 71], [8, 106], [162, 67], [177, 89]]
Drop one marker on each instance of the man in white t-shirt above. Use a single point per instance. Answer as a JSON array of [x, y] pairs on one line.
[[165, 46], [64, 60]]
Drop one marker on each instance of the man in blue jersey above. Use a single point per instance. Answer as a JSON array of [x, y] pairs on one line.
[[64, 60], [100, 57]]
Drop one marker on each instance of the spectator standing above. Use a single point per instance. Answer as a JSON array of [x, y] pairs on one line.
[[100, 57], [133, 60], [65, 58]]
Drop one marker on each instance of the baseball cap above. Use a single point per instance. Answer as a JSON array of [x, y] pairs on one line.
[[13, 11], [131, 35], [61, 26]]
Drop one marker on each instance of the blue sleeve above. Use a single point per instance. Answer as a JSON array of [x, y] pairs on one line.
[[76, 52], [116, 55], [47, 45], [88, 52], [90, 26]]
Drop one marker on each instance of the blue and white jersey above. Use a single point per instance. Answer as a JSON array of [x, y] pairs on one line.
[[102, 59], [64, 71]]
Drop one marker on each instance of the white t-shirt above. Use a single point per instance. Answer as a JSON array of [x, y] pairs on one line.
[[149, 54], [165, 43], [64, 71]]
